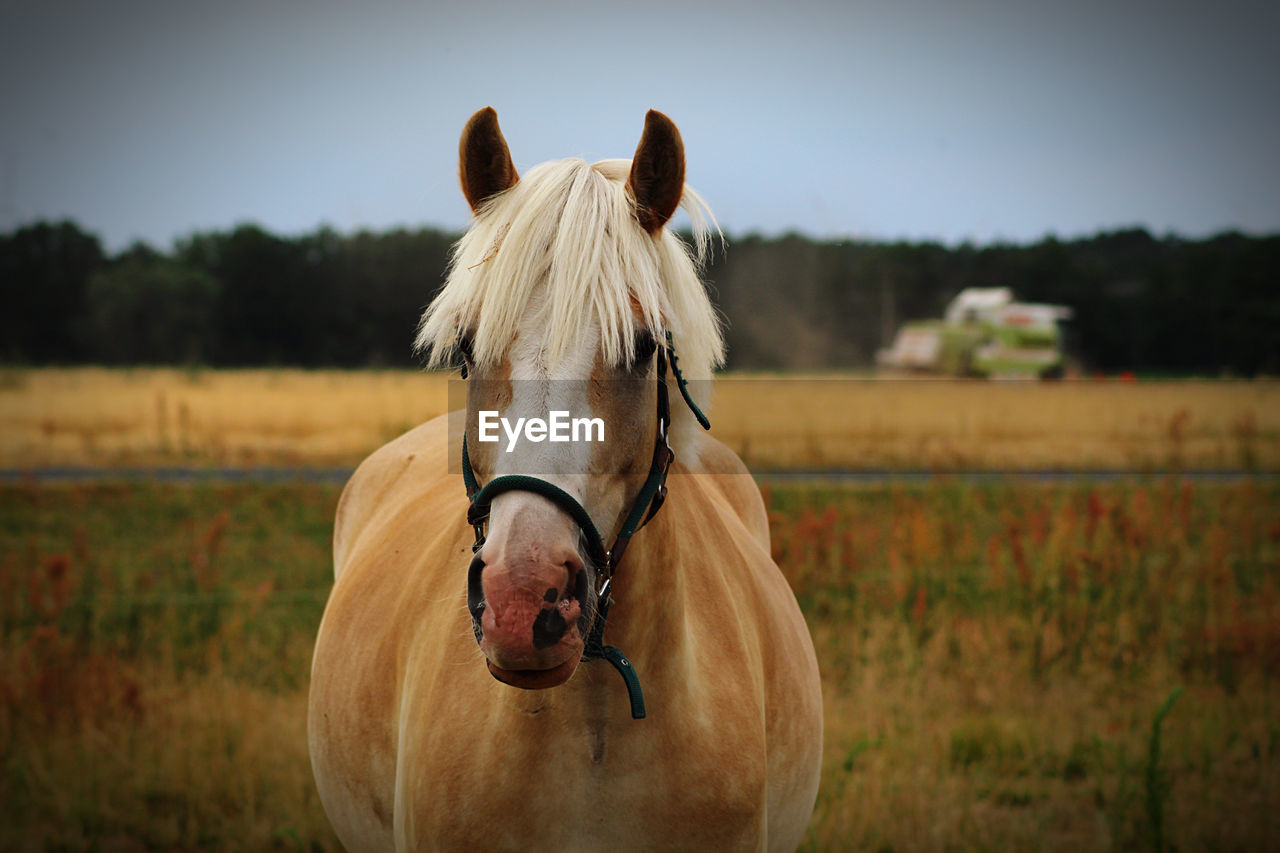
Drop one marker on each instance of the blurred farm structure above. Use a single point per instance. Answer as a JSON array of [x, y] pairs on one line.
[[984, 333]]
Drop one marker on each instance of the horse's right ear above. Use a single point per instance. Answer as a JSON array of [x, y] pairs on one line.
[[484, 161]]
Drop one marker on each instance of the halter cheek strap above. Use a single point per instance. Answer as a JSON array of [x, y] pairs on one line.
[[646, 504]]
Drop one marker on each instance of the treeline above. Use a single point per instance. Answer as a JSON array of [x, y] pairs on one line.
[[247, 297]]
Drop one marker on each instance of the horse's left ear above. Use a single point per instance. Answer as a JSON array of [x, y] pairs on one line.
[[657, 172]]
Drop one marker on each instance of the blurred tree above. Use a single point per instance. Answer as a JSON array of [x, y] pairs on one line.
[[390, 278], [44, 273], [263, 306], [147, 308], [248, 297]]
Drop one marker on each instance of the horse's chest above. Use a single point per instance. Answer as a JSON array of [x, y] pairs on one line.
[[586, 784]]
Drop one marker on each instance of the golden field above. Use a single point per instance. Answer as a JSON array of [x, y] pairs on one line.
[[98, 417], [93, 416]]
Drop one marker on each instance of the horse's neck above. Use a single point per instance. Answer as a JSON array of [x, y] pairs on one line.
[[649, 587]]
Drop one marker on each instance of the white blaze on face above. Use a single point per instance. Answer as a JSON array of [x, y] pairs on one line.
[[520, 520]]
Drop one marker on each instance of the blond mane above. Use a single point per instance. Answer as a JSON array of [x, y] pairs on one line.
[[567, 232]]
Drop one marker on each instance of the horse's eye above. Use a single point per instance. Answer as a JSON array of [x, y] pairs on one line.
[[464, 349], [645, 346]]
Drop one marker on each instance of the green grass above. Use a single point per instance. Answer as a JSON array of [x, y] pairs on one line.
[[155, 642], [1000, 663], [156, 571]]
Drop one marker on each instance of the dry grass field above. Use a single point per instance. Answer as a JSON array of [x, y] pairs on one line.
[[90, 416], [334, 418], [949, 425]]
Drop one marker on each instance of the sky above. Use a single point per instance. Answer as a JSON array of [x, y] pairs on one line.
[[982, 121]]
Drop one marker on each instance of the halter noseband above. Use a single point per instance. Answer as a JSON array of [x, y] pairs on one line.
[[646, 504]]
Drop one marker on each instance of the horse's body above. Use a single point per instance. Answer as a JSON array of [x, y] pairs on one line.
[[416, 746]]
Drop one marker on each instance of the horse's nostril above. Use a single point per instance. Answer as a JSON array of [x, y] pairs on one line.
[[475, 592], [550, 596], [548, 627]]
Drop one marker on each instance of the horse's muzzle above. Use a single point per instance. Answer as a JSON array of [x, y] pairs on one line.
[[529, 620]]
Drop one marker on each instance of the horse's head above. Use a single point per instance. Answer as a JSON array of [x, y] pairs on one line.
[[560, 301]]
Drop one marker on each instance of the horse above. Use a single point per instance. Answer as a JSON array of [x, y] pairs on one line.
[[492, 672]]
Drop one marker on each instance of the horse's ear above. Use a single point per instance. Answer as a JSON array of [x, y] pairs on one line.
[[484, 161], [657, 172]]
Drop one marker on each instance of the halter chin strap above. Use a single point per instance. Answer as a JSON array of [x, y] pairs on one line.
[[646, 504]]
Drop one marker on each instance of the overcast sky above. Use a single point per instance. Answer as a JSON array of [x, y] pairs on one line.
[[938, 119]]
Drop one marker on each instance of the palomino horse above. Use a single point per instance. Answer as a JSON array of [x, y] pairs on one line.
[[568, 293]]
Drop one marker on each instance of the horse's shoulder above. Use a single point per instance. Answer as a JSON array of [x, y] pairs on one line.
[[728, 476], [407, 465]]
